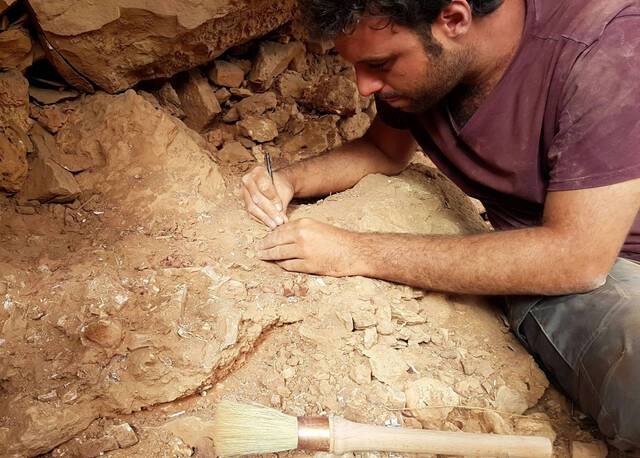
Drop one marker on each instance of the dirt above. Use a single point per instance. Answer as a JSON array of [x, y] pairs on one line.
[[135, 303]]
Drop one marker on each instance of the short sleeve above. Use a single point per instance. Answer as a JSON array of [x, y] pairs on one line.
[[391, 116], [598, 137]]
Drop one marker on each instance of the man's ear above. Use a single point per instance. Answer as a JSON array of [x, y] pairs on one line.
[[455, 19]]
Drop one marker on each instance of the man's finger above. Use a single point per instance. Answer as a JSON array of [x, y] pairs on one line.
[[283, 235], [261, 200], [296, 265], [279, 253], [256, 211]]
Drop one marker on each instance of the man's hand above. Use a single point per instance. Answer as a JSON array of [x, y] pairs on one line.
[[311, 247], [267, 201]]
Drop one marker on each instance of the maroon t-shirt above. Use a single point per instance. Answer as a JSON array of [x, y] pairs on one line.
[[565, 116]]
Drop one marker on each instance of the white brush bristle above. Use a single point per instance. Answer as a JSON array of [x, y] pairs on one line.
[[242, 429]]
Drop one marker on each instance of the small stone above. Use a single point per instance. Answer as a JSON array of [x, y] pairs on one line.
[[493, 422], [387, 364], [363, 319], [354, 127], [595, 449], [51, 96], [13, 160], [198, 100], [431, 401], [48, 397], [346, 319], [291, 84], [48, 182], [334, 94], [272, 59], [124, 435], [468, 366], [242, 92], [289, 372], [170, 101], [14, 100], [361, 374], [106, 333], [15, 49], [226, 74], [25, 210], [97, 447], [259, 129], [370, 337], [234, 152], [256, 105], [320, 46], [223, 95], [537, 424], [509, 400]]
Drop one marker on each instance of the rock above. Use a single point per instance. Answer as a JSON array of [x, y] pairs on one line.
[[5, 4], [361, 374], [537, 424], [226, 74], [256, 105], [13, 160], [320, 46], [15, 49], [50, 96], [509, 400], [370, 337], [124, 435], [49, 182], [198, 100], [333, 94], [404, 314], [47, 148], [106, 333], [387, 364], [223, 94], [259, 129], [97, 39], [97, 447], [272, 59], [52, 117], [14, 100], [291, 84], [170, 101], [588, 449], [231, 116], [354, 127], [431, 401], [363, 319], [234, 152], [493, 422]]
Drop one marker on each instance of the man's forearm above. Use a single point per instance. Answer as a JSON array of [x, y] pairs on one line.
[[340, 169], [526, 261]]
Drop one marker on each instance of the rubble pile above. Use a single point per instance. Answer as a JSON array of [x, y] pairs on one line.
[[131, 300]]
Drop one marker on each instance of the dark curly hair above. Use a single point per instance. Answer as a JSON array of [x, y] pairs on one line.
[[329, 18]]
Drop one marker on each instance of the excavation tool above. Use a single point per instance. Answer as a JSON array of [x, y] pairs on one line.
[[241, 429], [267, 162]]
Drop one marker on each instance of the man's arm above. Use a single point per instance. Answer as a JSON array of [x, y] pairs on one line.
[[571, 252], [383, 149]]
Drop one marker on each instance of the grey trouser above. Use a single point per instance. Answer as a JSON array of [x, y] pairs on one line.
[[590, 344]]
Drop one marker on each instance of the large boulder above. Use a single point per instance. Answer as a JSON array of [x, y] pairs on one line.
[[114, 44]]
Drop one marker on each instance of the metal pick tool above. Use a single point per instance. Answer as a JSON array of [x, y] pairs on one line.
[[267, 161]]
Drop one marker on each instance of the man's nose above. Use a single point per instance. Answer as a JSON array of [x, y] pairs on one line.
[[368, 84]]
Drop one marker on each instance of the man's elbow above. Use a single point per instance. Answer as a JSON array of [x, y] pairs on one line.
[[586, 278]]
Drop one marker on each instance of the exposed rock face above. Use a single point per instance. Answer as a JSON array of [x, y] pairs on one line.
[[15, 49], [14, 100], [117, 43], [198, 100], [48, 181], [13, 161]]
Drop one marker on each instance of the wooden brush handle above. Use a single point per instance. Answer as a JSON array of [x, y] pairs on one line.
[[347, 436]]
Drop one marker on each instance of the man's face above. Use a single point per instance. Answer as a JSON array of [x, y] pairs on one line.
[[392, 61]]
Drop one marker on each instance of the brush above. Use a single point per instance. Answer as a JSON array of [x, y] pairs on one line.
[[241, 429]]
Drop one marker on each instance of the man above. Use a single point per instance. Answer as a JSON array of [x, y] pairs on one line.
[[531, 106]]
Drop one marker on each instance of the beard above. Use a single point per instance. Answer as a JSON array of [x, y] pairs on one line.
[[446, 70]]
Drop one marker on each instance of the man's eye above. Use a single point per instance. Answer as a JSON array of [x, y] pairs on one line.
[[378, 65]]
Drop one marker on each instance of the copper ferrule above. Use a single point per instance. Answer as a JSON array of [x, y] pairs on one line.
[[314, 434]]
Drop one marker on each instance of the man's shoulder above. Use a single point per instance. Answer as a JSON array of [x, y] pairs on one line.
[[580, 21]]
